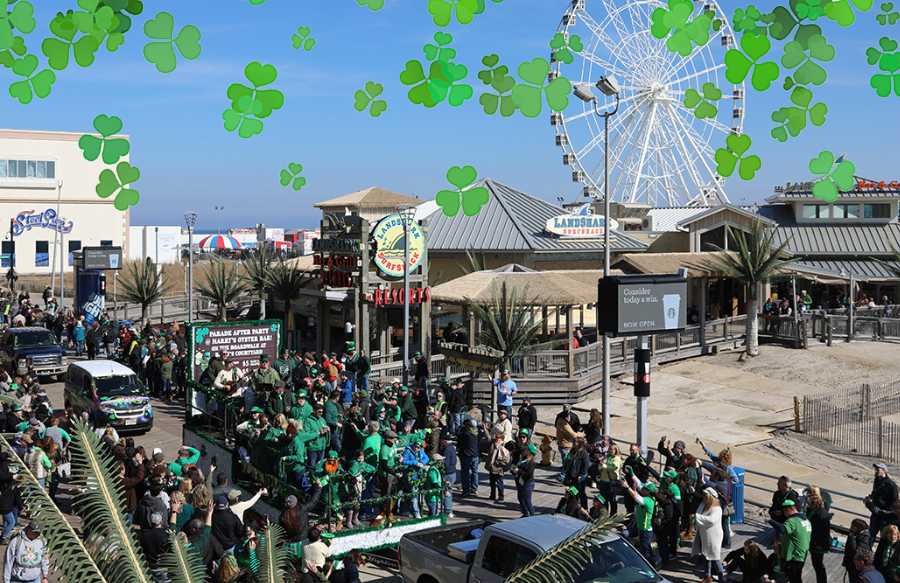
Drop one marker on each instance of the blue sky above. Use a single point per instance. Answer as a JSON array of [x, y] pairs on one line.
[[188, 161]]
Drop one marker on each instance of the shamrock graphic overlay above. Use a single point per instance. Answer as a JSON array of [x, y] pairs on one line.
[[250, 105], [738, 64], [112, 148], [837, 176], [117, 182], [367, 99], [290, 176], [732, 156], [162, 52], [527, 95], [888, 16], [442, 81], [887, 57], [20, 18], [38, 84], [792, 120], [466, 197], [301, 39], [702, 105], [563, 46], [497, 77]]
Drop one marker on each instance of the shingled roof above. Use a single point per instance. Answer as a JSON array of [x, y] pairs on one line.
[[513, 221]]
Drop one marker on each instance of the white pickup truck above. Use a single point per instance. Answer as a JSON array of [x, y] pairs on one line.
[[484, 551]]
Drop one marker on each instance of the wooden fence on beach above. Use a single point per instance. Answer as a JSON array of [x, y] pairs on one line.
[[854, 419]]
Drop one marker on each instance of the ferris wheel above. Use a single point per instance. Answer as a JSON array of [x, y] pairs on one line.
[[661, 151]]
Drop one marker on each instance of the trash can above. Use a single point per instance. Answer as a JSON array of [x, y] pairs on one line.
[[737, 497]]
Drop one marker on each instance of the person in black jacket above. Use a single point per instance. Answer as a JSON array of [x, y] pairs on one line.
[[857, 540], [881, 501], [887, 556], [9, 499], [456, 406], [469, 452], [523, 472], [527, 415], [750, 560], [154, 541], [295, 516], [674, 454], [782, 493], [820, 540], [576, 472], [227, 528]]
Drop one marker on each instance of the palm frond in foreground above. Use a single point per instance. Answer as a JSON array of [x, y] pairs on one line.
[[182, 563], [566, 560], [274, 558]]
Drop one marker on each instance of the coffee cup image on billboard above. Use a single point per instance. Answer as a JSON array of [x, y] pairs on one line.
[[671, 304]]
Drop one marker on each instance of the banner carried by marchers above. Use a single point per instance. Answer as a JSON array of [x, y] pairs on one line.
[[243, 342]]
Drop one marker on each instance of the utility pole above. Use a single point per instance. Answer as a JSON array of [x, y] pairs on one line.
[[261, 247], [405, 215], [11, 274], [190, 219], [642, 358], [56, 241]]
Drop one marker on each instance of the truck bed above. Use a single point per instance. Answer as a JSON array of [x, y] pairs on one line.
[[438, 539]]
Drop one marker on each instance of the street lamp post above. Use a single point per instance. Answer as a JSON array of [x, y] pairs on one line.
[[406, 215], [190, 219], [609, 87]]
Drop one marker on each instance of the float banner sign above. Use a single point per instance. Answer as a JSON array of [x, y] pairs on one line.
[[244, 342], [632, 305], [101, 258]]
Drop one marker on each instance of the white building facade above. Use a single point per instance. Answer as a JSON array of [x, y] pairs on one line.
[[49, 203], [162, 244]]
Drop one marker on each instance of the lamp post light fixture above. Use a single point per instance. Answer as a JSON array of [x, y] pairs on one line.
[[406, 215], [190, 219], [610, 87]]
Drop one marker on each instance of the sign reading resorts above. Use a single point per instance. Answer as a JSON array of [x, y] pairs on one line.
[[631, 305], [579, 225], [244, 342], [388, 236]]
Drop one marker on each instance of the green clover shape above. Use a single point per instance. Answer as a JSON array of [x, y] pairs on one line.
[[35, 84], [888, 16], [781, 22], [442, 81], [257, 2], [442, 10], [57, 49], [665, 20], [301, 39], [8, 56], [95, 18], [841, 12], [469, 199], [732, 156], [810, 9], [373, 5], [115, 183], [497, 77], [838, 176], [124, 10], [738, 64], [20, 18], [112, 148], [162, 53], [366, 99], [290, 176], [527, 95], [888, 60], [564, 45], [792, 120], [702, 105], [747, 19], [440, 51], [801, 58], [249, 105]]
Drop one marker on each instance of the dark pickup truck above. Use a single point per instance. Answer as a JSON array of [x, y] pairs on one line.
[[485, 551], [36, 346]]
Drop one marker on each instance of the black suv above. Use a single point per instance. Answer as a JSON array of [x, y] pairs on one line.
[[34, 344]]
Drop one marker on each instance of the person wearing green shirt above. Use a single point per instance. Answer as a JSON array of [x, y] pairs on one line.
[[316, 424], [794, 543], [408, 411], [353, 487], [372, 444], [278, 402], [645, 506], [333, 412], [293, 462], [284, 366], [388, 470], [301, 409], [434, 480], [187, 456]]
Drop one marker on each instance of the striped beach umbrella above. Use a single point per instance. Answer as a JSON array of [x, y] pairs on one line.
[[216, 242]]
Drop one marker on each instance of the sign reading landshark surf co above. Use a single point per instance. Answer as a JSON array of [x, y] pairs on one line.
[[579, 225], [388, 236], [244, 342], [27, 220]]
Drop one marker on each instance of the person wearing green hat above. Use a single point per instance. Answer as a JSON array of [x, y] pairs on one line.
[[645, 506], [408, 412], [316, 424], [795, 539], [294, 455], [353, 487], [669, 482], [523, 472], [598, 510], [570, 504], [301, 409]]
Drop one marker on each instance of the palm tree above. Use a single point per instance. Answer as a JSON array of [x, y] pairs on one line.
[[108, 550], [756, 259], [142, 284], [508, 327], [256, 270], [284, 282], [223, 286]]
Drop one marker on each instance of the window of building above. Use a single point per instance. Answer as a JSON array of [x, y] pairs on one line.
[[106, 243], [27, 169], [814, 211], [73, 247], [6, 252], [42, 254], [877, 211]]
